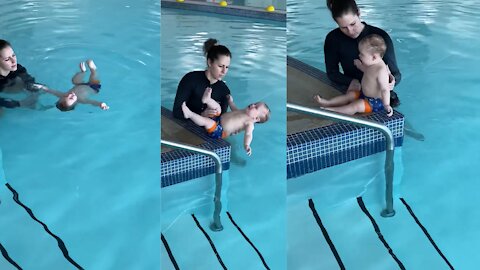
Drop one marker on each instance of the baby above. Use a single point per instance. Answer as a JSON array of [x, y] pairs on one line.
[[230, 122], [80, 92], [375, 93]]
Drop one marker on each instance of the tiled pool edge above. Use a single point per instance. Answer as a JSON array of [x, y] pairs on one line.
[[323, 147], [229, 10], [179, 165]]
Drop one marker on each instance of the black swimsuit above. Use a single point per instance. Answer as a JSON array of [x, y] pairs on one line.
[[191, 89]]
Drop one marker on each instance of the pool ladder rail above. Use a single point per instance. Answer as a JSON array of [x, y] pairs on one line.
[[216, 224], [390, 144]]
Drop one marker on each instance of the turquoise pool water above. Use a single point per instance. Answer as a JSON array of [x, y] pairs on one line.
[[436, 48], [91, 176], [256, 192]]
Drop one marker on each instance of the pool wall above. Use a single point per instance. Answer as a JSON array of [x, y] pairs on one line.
[[179, 165], [229, 10]]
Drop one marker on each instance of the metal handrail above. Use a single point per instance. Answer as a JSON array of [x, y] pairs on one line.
[[390, 144], [217, 224]]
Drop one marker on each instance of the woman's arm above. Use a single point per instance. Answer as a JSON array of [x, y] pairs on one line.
[[332, 61], [390, 59], [184, 92], [53, 92]]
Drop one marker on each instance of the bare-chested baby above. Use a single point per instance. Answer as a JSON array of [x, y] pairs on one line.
[[231, 122], [375, 93]]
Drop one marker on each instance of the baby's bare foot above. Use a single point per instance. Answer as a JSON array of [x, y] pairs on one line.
[[319, 100], [91, 64], [82, 67], [186, 111], [207, 94]]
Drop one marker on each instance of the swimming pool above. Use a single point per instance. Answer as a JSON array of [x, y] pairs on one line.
[[256, 192], [90, 176], [436, 54]]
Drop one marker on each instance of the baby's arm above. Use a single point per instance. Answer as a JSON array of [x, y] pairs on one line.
[[247, 139], [385, 90], [232, 105], [359, 65], [95, 103]]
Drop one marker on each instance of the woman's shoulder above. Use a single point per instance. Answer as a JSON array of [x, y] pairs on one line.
[[377, 30], [335, 34]]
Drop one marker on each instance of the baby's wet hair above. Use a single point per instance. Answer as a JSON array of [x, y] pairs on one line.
[[64, 108], [375, 43], [213, 50], [4, 44]]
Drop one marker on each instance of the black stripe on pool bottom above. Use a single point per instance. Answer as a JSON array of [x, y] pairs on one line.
[[325, 234], [170, 254], [426, 232], [379, 233], [61, 244], [248, 240], [210, 241], [10, 260]]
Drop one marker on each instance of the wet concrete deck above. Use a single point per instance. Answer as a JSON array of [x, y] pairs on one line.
[[174, 132]]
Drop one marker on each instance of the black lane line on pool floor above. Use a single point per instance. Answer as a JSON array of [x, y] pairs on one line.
[[210, 241], [426, 232], [325, 234], [248, 240], [170, 254], [61, 244], [379, 233], [10, 260]]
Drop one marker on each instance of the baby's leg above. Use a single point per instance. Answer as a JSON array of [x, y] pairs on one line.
[[211, 103], [338, 100], [78, 77], [352, 108], [93, 72], [196, 118]]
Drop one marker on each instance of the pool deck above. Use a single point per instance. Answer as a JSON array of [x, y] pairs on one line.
[[313, 143]]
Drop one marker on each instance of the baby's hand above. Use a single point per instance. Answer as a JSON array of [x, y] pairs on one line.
[[357, 63], [248, 149], [104, 106], [389, 110]]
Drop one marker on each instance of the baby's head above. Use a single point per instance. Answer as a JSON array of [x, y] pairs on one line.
[[67, 102], [259, 111], [372, 48]]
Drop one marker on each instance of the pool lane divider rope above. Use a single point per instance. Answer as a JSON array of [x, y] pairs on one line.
[[10, 260], [379, 233], [325, 234], [426, 232], [248, 240], [210, 241], [60, 242], [169, 251]]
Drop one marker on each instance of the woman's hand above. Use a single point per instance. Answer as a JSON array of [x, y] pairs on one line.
[[391, 80], [355, 85], [208, 112]]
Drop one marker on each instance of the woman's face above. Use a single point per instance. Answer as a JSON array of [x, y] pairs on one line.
[[8, 59], [350, 24], [219, 68]]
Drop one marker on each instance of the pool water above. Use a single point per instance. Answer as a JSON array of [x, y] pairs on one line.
[[90, 175], [436, 51], [256, 192]]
